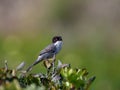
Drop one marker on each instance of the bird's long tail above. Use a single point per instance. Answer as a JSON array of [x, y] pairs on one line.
[[39, 59]]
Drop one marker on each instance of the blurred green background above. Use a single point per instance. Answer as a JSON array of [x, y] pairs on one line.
[[90, 31]]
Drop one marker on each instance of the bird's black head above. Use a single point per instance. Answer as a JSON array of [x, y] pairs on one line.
[[56, 38]]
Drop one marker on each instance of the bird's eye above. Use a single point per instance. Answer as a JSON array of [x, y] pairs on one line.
[[56, 39]]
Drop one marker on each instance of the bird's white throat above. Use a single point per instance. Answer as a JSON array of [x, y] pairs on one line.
[[58, 45]]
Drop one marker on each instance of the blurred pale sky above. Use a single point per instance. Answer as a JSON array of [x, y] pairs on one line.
[[20, 14]]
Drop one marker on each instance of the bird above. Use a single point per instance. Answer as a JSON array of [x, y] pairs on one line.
[[49, 52]]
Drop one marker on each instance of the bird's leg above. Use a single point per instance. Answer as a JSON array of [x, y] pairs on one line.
[[53, 62]]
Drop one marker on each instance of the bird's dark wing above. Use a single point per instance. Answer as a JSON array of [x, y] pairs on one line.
[[49, 49]]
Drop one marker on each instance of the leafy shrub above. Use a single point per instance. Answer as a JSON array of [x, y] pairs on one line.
[[59, 77]]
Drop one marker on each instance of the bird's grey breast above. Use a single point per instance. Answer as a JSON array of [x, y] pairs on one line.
[[58, 46]]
